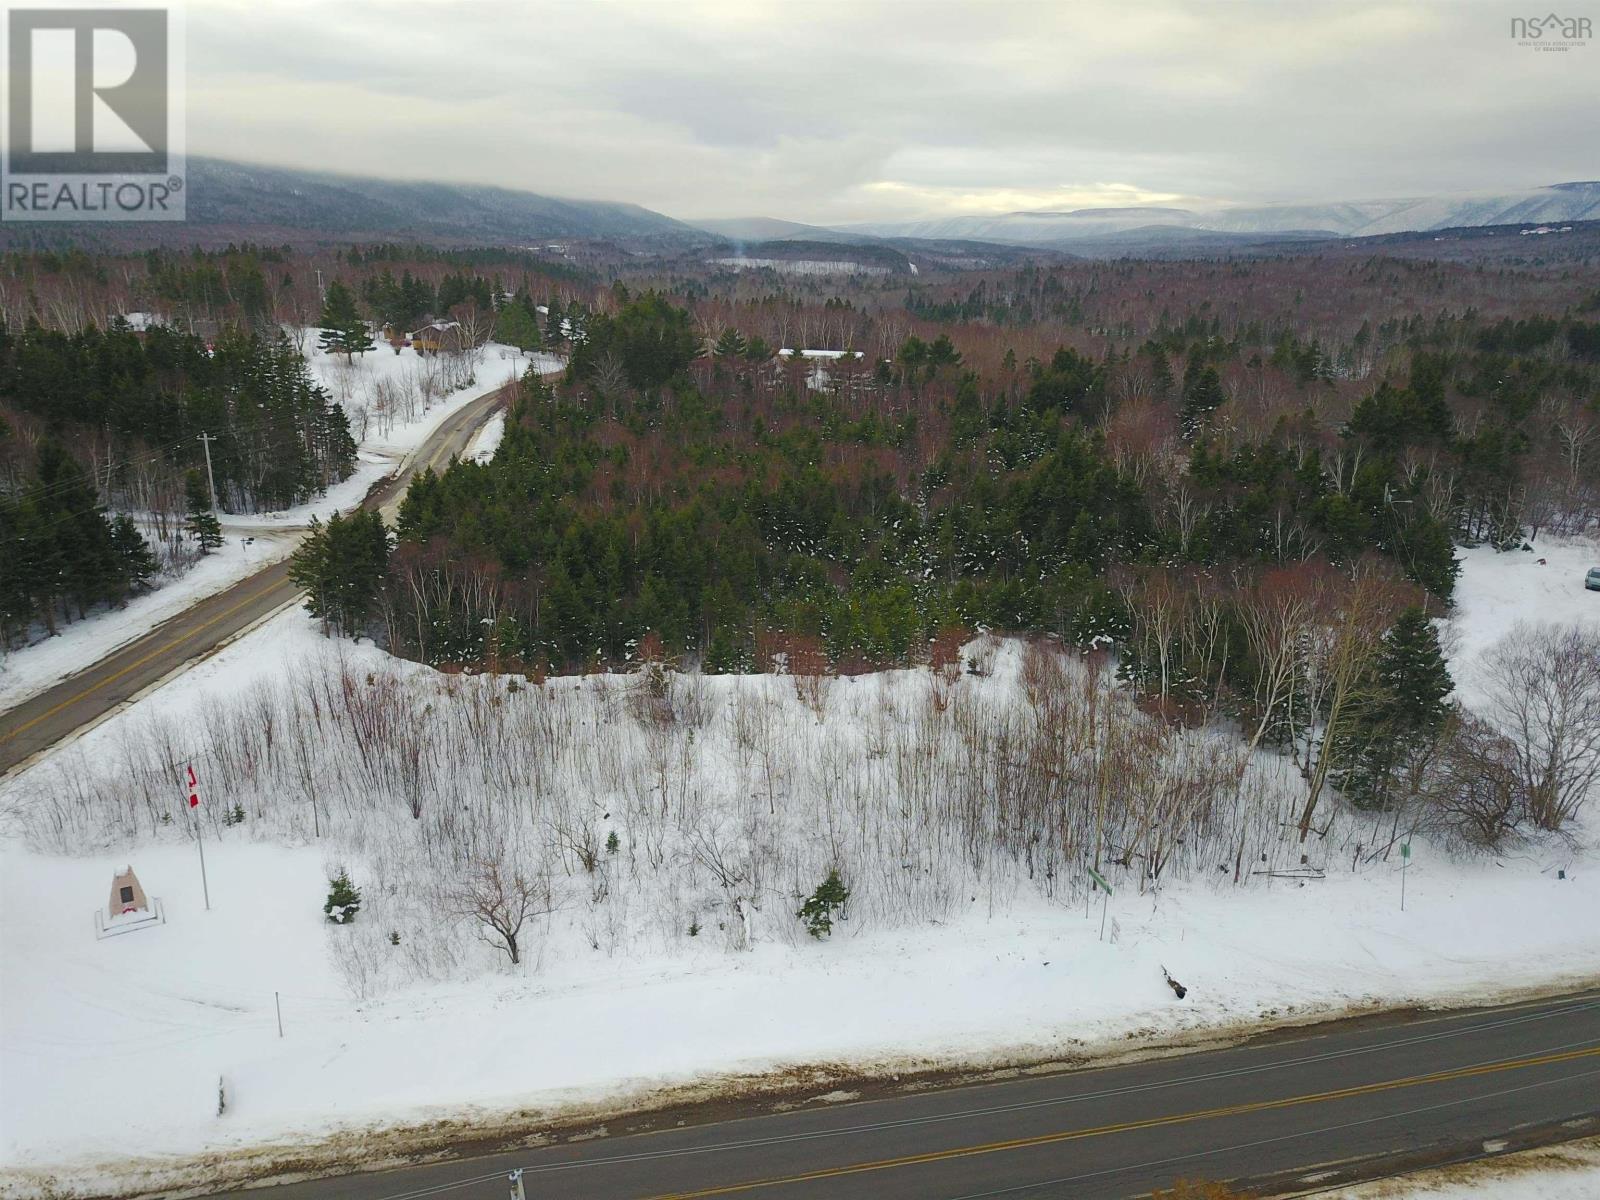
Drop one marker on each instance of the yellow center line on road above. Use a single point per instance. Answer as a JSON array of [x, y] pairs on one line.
[[1205, 1114], [139, 662]]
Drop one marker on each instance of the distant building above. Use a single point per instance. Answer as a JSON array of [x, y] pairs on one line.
[[142, 322], [439, 337]]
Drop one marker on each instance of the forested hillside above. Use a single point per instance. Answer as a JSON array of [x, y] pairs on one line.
[[136, 405], [825, 516], [872, 508], [1012, 449], [118, 372], [278, 437]]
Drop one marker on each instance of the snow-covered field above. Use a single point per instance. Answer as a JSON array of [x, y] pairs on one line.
[[646, 979], [412, 396], [802, 266], [1497, 590], [1565, 1172]]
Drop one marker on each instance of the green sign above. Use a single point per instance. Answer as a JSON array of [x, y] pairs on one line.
[[1405, 849], [1100, 879]]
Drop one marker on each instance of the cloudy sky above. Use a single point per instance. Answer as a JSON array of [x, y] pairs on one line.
[[863, 109]]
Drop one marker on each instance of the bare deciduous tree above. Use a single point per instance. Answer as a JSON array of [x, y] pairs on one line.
[[501, 898], [1341, 658], [1545, 684], [1473, 795]]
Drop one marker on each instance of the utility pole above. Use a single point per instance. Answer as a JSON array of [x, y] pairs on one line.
[[516, 1185], [205, 440]]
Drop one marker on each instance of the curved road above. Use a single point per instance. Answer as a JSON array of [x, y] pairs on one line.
[[1279, 1115], [82, 699]]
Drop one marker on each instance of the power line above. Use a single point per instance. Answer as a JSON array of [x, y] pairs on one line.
[[290, 438]]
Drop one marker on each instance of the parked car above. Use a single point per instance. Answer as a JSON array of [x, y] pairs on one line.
[[1592, 579]]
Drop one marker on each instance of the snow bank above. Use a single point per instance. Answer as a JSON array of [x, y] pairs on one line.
[[488, 441], [1564, 1172]]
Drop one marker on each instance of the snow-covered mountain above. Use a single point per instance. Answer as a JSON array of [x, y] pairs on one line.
[[1360, 218]]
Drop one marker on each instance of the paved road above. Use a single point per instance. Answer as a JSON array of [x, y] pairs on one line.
[[85, 697], [1276, 1109]]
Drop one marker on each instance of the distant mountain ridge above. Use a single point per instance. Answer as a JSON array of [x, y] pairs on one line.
[[234, 202], [1574, 201], [240, 194]]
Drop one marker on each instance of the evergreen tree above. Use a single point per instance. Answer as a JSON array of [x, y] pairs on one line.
[[818, 911], [1071, 383], [202, 523], [343, 330], [517, 325], [341, 565], [79, 566], [653, 339], [1406, 706], [1412, 675], [1202, 394], [554, 334], [1160, 372], [138, 563], [943, 353], [730, 344], [344, 899]]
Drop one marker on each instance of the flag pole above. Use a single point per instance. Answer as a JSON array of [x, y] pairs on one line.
[[200, 842], [193, 792]]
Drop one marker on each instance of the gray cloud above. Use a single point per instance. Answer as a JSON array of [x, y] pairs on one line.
[[839, 110]]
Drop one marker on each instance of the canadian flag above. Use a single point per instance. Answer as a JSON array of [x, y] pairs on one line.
[[194, 788]]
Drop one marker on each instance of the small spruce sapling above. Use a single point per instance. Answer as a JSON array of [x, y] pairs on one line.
[[613, 843], [344, 900], [818, 911], [202, 523]]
